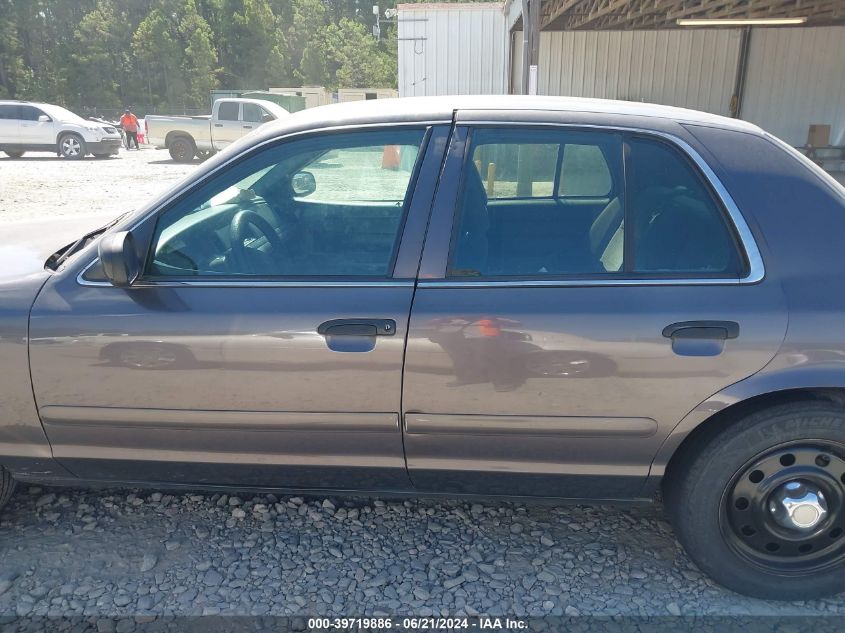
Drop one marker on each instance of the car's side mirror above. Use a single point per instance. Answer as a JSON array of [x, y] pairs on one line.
[[44, 119], [303, 183], [119, 258]]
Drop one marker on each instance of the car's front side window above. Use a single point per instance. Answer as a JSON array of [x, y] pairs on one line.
[[329, 206], [551, 202], [30, 113]]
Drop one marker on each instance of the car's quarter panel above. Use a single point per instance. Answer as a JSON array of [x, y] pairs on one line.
[[798, 216], [562, 388]]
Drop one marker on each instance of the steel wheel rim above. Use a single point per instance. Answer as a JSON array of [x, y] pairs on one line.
[[181, 149], [71, 147], [750, 528]]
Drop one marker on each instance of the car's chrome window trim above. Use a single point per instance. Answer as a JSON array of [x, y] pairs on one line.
[[756, 269], [209, 282]]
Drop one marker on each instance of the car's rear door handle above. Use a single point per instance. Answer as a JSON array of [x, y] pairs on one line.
[[218, 125], [700, 338], [719, 330], [358, 327], [247, 127]]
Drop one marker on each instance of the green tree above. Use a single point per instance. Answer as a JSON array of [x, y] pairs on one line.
[[200, 57]]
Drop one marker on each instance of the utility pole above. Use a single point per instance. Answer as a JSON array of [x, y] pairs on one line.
[[531, 10]]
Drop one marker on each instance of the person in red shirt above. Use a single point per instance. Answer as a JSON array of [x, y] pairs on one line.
[[129, 123]]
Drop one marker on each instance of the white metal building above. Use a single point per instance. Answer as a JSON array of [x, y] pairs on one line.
[[783, 79]]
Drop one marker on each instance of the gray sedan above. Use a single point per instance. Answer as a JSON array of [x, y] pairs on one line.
[[495, 296]]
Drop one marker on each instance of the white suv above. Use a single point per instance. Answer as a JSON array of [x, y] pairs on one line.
[[41, 127]]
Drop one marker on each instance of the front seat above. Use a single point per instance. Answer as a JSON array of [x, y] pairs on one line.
[[607, 237]]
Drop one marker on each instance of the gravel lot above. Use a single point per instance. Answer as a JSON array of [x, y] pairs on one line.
[[109, 554], [40, 184]]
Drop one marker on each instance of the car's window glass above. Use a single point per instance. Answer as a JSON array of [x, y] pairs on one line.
[[326, 206], [252, 113], [228, 111], [375, 173], [9, 112], [677, 225], [520, 215], [513, 169], [30, 113], [584, 172]]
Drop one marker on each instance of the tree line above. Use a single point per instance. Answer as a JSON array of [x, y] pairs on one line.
[[171, 53]]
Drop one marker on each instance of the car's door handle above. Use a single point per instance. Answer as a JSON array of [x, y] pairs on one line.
[[719, 330], [700, 338], [218, 125], [247, 127], [358, 327]]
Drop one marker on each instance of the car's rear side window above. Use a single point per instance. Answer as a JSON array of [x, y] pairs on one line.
[[676, 224], [548, 202], [9, 112]]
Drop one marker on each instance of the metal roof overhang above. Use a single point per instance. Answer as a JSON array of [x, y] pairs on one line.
[[606, 15]]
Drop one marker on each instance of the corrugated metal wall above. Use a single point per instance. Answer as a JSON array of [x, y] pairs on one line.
[[691, 69], [796, 77], [452, 49]]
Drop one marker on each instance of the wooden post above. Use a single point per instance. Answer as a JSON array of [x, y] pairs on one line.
[[478, 165], [491, 179]]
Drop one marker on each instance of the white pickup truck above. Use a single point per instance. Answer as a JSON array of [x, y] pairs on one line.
[[230, 119]]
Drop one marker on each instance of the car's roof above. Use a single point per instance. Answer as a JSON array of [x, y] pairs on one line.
[[443, 108]]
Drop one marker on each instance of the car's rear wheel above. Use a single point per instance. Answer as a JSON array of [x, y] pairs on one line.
[[7, 486], [72, 147], [760, 506], [182, 149], [13, 154]]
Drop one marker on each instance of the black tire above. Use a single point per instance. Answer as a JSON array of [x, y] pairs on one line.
[[13, 154], [72, 147], [722, 497], [7, 487], [182, 149]]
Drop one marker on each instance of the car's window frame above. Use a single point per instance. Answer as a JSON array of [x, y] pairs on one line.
[[151, 222], [615, 277]]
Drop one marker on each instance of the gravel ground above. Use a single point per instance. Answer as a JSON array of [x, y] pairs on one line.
[[41, 184], [116, 553], [109, 554]]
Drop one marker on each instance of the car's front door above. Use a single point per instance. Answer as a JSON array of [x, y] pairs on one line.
[[260, 347], [592, 289], [34, 131], [228, 126]]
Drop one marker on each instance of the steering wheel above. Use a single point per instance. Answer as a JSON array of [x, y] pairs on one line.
[[243, 258]]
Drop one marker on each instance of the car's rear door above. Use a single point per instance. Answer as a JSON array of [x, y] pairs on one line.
[[10, 133], [552, 356], [280, 366]]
